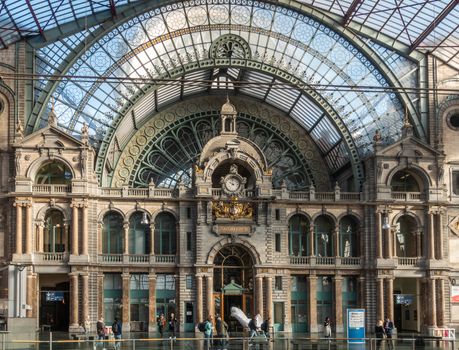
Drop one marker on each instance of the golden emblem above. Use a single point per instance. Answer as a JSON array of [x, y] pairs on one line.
[[233, 209]]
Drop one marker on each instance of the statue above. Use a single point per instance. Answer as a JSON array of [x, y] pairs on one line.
[[377, 137], [19, 131], [233, 169]]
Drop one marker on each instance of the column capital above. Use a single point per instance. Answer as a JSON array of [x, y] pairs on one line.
[[125, 275], [74, 274]]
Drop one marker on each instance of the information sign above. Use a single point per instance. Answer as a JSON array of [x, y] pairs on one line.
[[356, 326]]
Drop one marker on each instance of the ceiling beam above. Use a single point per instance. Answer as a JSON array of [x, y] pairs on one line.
[[350, 12], [433, 25], [40, 29], [112, 8]]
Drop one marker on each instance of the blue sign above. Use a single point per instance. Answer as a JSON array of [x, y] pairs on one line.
[[54, 296], [356, 326]]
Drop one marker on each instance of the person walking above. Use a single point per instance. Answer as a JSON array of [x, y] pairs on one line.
[[265, 327], [222, 332], [161, 321], [379, 333], [388, 328], [117, 332], [100, 329], [253, 329], [327, 327], [87, 325], [208, 333], [173, 326]]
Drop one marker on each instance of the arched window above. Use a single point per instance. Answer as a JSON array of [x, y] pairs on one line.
[[404, 181], [407, 241], [112, 234], [54, 233], [54, 173], [139, 235], [323, 233], [165, 234], [298, 235], [348, 240]]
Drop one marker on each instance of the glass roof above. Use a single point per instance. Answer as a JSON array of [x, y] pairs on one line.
[[431, 25], [153, 44]]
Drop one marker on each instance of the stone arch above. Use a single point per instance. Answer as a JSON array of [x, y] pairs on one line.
[[105, 211], [420, 175], [165, 210], [326, 214], [355, 216], [7, 95], [42, 212], [234, 241], [299, 212], [407, 213], [135, 210], [36, 165]]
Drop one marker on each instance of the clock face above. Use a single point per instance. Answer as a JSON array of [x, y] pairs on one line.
[[232, 184]]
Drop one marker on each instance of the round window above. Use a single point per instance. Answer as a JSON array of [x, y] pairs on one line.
[[454, 120]]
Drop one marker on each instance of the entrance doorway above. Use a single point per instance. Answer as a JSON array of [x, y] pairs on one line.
[[233, 283], [406, 305], [54, 302]]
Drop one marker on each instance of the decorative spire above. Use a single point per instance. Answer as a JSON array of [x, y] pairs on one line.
[[52, 118], [407, 128], [85, 134], [228, 118], [19, 131]]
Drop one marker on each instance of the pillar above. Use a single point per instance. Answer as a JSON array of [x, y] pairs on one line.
[[84, 230], [100, 295], [431, 241], [40, 238], [269, 299], [390, 298], [259, 295], [418, 235], [199, 308], [313, 304], [338, 284], [152, 302], [388, 239], [379, 244], [336, 243], [152, 239], [210, 295], [379, 299], [74, 311], [362, 289], [28, 229], [431, 292], [439, 238], [85, 296], [126, 237], [74, 229], [31, 295], [18, 228], [311, 241], [441, 302], [125, 314]]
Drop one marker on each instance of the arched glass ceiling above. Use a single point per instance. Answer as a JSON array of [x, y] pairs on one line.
[[154, 43]]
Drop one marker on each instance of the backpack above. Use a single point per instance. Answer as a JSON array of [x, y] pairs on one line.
[[202, 326], [115, 328]]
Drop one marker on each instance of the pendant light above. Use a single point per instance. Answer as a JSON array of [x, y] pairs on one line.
[[144, 220]]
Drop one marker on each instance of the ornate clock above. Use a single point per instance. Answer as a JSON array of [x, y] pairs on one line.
[[232, 183]]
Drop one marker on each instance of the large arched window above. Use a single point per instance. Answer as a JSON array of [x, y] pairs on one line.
[[112, 234], [298, 235], [55, 238], [323, 233], [404, 181], [165, 234], [139, 235], [54, 173], [408, 241], [348, 240]]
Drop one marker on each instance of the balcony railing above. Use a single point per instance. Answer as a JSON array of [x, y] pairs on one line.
[[111, 258], [408, 196], [413, 262], [51, 257], [165, 259], [51, 189], [217, 192], [325, 260], [139, 258]]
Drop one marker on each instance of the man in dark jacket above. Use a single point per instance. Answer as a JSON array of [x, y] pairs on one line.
[[117, 332], [388, 328]]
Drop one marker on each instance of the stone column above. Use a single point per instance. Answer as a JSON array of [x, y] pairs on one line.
[[18, 228], [125, 318], [269, 299], [74, 229], [152, 238], [84, 230], [40, 238], [439, 238], [210, 295], [126, 238], [74, 311], [390, 298], [441, 302], [311, 241], [85, 296], [388, 239], [339, 303], [431, 241], [336, 243], [313, 303], [100, 295], [152, 302], [100, 237], [379, 241], [432, 307], [418, 235], [31, 294], [66, 235], [362, 289], [259, 295], [379, 298], [199, 308], [28, 229]]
